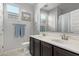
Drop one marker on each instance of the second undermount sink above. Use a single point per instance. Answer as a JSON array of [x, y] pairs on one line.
[[69, 42], [59, 40]]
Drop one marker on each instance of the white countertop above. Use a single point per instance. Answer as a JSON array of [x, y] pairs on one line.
[[55, 39]]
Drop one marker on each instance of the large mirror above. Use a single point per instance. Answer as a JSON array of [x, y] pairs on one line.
[[60, 17]]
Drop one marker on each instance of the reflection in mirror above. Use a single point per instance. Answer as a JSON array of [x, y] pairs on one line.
[[52, 21], [43, 21], [49, 19], [60, 17], [75, 21]]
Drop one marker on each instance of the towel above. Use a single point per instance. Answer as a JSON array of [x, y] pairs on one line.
[[22, 30], [19, 30]]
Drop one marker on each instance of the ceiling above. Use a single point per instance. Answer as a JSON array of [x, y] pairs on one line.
[[50, 6], [66, 7], [30, 4]]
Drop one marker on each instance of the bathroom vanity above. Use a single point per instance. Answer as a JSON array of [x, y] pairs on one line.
[[44, 46]]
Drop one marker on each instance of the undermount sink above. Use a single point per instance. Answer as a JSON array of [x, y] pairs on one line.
[[59, 40], [69, 42]]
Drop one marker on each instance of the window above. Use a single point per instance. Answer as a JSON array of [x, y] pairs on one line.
[[12, 9]]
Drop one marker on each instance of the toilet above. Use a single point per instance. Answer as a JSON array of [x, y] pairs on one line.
[[25, 46]]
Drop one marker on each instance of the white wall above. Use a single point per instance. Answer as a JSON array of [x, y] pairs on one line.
[[55, 11], [1, 26], [67, 7], [10, 41]]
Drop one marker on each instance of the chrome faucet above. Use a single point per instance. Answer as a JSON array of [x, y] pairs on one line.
[[44, 34], [64, 37]]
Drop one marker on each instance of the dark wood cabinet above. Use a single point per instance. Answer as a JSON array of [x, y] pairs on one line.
[[41, 48], [46, 49], [62, 52], [34, 47], [37, 47], [31, 46]]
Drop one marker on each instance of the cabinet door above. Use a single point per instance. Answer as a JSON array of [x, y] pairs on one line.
[[37, 47], [62, 52], [46, 49], [32, 46]]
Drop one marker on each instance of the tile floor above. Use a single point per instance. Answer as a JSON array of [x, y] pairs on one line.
[[16, 52]]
